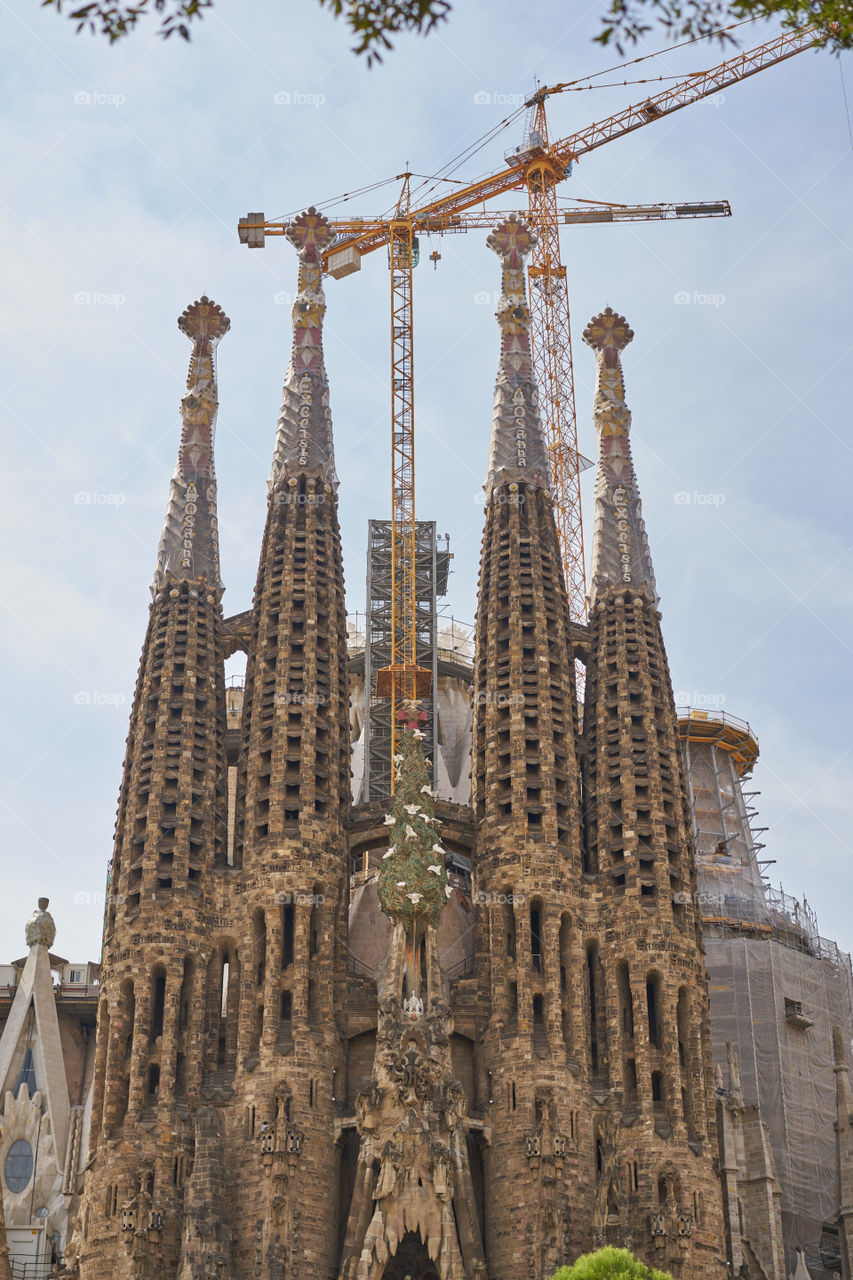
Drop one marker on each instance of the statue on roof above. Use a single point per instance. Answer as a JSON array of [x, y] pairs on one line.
[[40, 927]]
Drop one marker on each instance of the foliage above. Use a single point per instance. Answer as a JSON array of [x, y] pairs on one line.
[[372, 22], [609, 1264], [413, 879], [628, 21], [117, 20]]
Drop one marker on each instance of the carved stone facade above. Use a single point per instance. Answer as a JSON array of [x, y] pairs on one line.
[[522, 1070]]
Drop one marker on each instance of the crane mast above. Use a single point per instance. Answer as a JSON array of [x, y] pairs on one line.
[[403, 681], [551, 340]]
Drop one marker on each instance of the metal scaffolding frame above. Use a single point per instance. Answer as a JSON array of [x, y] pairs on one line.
[[432, 566]]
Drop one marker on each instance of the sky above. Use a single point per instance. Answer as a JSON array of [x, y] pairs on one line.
[[124, 172]]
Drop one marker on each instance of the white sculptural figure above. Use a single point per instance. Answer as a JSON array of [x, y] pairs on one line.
[[40, 926]]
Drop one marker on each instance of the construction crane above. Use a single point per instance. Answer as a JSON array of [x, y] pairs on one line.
[[538, 166], [405, 680]]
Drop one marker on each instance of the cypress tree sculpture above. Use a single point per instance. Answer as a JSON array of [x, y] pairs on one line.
[[413, 884]]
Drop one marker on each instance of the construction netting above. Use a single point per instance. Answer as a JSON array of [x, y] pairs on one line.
[[778, 1005], [777, 987]]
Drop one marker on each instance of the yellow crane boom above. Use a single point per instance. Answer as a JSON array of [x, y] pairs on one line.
[[538, 166]]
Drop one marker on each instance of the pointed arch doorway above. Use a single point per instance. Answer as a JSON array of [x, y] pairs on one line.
[[410, 1261]]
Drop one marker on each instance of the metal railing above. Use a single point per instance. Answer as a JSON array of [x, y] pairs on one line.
[[28, 1270], [358, 969], [463, 968]]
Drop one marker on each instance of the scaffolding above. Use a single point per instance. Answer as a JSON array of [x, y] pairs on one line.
[[432, 567], [777, 988]]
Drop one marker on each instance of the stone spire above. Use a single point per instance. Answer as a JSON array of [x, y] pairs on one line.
[[189, 546], [647, 1003], [304, 438], [620, 549], [517, 452]]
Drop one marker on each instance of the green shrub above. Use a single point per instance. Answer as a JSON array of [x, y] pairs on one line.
[[609, 1264]]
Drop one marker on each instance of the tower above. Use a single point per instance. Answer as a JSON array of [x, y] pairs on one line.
[[292, 806], [266, 1105], [526, 800], [169, 848], [648, 1053]]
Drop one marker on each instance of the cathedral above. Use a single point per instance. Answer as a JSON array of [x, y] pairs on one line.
[[523, 1071]]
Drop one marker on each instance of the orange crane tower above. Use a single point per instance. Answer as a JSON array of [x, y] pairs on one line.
[[539, 166]]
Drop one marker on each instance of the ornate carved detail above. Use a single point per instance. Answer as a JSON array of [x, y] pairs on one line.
[[621, 550], [304, 438], [189, 547], [518, 445], [412, 1174]]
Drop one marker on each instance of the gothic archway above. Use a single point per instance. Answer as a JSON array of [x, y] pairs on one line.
[[410, 1261]]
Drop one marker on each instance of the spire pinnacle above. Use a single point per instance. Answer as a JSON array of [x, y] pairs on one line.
[[620, 552], [189, 546], [517, 452], [304, 438]]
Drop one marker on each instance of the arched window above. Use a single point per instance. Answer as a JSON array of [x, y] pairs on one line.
[[158, 1002], [259, 931], [286, 934], [626, 1003], [653, 1006], [315, 927], [509, 923], [595, 990], [536, 944], [128, 1009], [185, 1000]]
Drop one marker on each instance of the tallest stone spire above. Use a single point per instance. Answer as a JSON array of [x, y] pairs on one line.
[[517, 452], [304, 438], [620, 549], [189, 546]]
